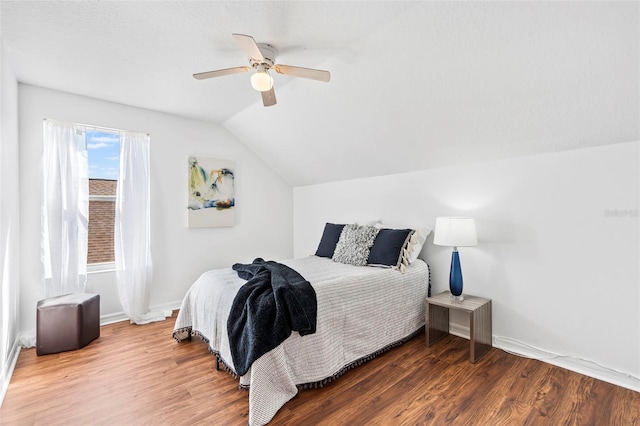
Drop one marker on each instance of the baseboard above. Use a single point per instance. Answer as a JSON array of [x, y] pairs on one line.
[[121, 316], [11, 365], [459, 330], [577, 365]]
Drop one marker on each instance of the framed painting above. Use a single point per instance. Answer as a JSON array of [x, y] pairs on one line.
[[211, 189]]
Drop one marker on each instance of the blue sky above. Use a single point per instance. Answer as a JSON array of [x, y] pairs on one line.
[[104, 154]]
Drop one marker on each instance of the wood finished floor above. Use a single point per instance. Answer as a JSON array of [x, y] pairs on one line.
[[138, 375]]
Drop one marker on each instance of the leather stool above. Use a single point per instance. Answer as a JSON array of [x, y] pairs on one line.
[[67, 323]]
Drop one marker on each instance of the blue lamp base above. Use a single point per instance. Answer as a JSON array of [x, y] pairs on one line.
[[455, 276]]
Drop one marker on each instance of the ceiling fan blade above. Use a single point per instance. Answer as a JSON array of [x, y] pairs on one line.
[[249, 45], [269, 97], [319, 75], [220, 73]]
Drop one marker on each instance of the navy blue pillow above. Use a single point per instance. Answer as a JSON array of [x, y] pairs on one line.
[[387, 247], [329, 239]]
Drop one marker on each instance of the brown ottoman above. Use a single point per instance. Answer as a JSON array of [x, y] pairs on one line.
[[66, 323]]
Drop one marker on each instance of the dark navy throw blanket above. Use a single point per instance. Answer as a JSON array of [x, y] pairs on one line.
[[275, 301]]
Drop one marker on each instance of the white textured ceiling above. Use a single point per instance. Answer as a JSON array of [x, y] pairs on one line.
[[414, 85]]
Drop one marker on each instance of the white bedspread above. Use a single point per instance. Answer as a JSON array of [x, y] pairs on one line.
[[361, 309]]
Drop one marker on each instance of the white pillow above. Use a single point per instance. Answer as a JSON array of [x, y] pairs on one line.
[[417, 241]]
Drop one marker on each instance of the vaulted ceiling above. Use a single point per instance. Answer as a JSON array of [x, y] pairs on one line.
[[414, 85]]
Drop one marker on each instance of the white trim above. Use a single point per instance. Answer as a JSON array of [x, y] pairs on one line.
[[111, 198], [578, 365], [97, 268], [459, 330], [11, 365], [121, 316]]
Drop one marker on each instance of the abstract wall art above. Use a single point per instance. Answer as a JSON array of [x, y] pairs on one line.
[[211, 189]]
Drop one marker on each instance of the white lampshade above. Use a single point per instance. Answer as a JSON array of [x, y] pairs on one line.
[[455, 232], [261, 81]]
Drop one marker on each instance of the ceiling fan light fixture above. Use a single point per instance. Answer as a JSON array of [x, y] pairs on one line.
[[261, 81], [262, 59]]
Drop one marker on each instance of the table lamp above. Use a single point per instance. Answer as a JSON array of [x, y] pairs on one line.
[[455, 232]]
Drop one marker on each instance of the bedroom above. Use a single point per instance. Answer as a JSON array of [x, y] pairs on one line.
[[523, 115]]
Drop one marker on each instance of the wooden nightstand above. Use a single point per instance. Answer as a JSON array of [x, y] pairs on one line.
[[479, 309]]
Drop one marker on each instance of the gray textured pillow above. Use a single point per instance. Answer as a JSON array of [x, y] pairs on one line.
[[354, 244]]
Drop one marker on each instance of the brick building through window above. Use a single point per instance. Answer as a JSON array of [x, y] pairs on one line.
[[102, 215]]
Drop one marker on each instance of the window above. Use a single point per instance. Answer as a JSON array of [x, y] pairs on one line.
[[103, 148]]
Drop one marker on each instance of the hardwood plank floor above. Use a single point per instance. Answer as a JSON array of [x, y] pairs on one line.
[[138, 375]]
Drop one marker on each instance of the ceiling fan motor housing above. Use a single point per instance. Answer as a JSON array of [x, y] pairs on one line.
[[268, 53]]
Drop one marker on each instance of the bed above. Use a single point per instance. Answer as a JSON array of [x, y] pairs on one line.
[[362, 311]]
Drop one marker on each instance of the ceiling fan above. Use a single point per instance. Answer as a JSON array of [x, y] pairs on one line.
[[262, 59]]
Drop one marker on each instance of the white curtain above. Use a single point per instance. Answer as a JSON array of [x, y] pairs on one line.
[[65, 209], [132, 229]]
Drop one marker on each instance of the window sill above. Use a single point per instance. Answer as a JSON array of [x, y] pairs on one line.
[[97, 268]]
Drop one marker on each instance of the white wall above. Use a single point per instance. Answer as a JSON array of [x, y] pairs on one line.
[[558, 245], [180, 255], [9, 221]]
